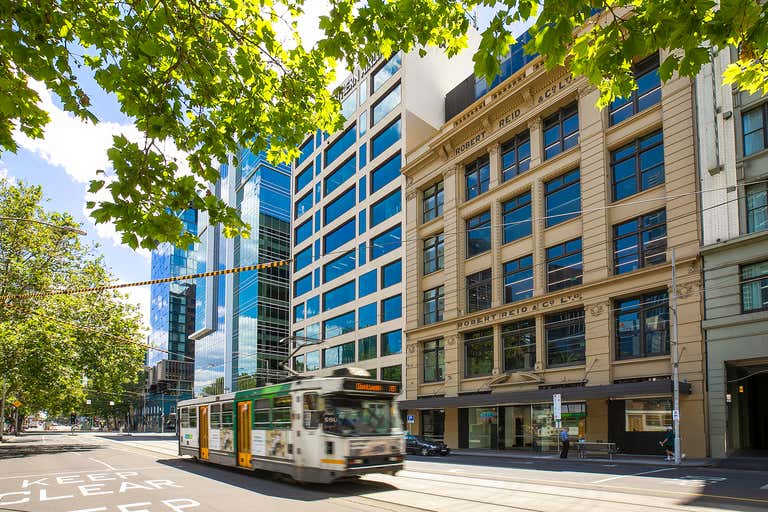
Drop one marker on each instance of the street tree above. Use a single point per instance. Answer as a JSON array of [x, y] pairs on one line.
[[54, 348], [200, 77]]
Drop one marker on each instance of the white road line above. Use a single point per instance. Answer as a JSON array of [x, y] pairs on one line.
[[633, 474], [100, 462], [765, 487], [73, 472]]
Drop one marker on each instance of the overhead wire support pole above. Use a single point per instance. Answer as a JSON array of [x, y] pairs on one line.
[[675, 364]]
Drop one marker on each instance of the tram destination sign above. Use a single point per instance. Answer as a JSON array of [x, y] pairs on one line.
[[372, 387]]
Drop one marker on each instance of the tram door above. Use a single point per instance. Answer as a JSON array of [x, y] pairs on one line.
[[203, 432], [244, 434]]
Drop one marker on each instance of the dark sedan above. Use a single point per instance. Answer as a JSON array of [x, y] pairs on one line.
[[420, 446]]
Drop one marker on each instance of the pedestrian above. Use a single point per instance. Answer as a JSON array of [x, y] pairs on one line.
[[669, 443], [565, 443]]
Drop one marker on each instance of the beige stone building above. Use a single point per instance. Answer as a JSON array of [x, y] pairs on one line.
[[539, 235]]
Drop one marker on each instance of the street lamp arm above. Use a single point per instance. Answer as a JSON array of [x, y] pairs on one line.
[[69, 229]]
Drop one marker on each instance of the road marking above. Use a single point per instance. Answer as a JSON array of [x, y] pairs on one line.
[[104, 463], [633, 474], [765, 487], [72, 472]]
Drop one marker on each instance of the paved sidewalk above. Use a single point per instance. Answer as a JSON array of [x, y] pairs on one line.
[[617, 459]]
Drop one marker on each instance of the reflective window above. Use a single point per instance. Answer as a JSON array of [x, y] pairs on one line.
[[640, 242], [363, 90], [313, 306], [362, 160], [304, 178], [366, 348], [339, 325], [303, 205], [385, 173], [433, 360], [478, 353], [479, 234], [565, 338], [754, 287], [305, 150], [391, 343], [385, 138], [757, 207], [754, 124], [516, 216], [339, 206], [477, 177], [479, 290], [338, 267], [391, 308], [649, 415], [518, 342], [313, 331], [340, 354], [318, 193], [349, 105], [434, 304], [339, 296], [637, 166], [367, 315], [367, 283], [642, 326], [362, 123], [564, 265], [313, 360], [361, 222], [343, 142], [302, 285], [648, 91], [339, 236], [298, 312], [388, 241], [518, 279], [385, 208], [302, 232], [392, 373], [561, 131], [433, 202], [339, 175], [298, 364], [361, 253], [434, 248], [385, 105], [391, 273], [302, 258], [562, 198], [385, 72], [515, 156]]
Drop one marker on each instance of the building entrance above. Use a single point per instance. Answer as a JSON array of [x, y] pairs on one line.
[[748, 409]]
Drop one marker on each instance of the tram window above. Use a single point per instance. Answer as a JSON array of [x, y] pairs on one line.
[[313, 410], [184, 415], [261, 413], [226, 415], [281, 411], [216, 416], [193, 417]]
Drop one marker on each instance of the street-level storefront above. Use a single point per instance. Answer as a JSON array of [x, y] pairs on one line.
[[633, 415]]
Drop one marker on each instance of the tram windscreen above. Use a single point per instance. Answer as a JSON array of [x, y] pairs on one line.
[[358, 416]]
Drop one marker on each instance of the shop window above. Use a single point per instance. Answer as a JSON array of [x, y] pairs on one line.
[[649, 415], [433, 358], [642, 326], [479, 290], [640, 242], [561, 131], [478, 353], [433, 202], [754, 287], [479, 234], [516, 216], [565, 338], [477, 177], [515, 156], [434, 303], [519, 345], [564, 265], [562, 198], [648, 92]]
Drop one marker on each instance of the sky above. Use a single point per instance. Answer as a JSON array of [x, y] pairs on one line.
[[67, 158]]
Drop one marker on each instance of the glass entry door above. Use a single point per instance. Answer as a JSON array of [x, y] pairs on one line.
[[515, 431]]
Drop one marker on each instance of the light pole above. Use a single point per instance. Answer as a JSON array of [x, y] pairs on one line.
[[675, 365], [69, 229], [2, 413]]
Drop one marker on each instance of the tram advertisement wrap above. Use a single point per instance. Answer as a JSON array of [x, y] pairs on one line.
[[270, 443], [360, 448]]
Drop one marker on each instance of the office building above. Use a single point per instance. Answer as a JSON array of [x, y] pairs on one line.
[[347, 279], [539, 238], [242, 318], [733, 168]]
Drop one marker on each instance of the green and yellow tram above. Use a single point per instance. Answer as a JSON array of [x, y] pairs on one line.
[[318, 429]]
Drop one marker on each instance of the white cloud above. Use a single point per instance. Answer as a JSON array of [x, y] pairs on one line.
[[140, 296], [4, 173]]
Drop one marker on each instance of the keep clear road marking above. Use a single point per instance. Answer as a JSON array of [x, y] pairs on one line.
[[633, 474], [104, 463]]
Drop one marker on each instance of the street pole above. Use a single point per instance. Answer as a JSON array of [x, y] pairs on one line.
[[675, 365], [162, 413], [2, 412]]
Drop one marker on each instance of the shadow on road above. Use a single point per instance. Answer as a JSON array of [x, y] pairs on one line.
[[30, 449]]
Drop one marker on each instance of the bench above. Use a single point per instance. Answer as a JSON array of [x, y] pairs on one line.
[[585, 447]]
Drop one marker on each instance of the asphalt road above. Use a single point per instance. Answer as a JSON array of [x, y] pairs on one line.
[[93, 473]]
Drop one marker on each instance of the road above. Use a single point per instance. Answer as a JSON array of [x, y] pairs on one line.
[[100, 473]]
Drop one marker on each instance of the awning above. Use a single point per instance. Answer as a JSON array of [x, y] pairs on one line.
[[532, 396]]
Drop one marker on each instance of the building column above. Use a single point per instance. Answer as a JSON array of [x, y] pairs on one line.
[[453, 256]]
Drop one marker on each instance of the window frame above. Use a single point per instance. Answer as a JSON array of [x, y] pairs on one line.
[[433, 245], [469, 340], [437, 296], [385, 96], [520, 327], [512, 206], [560, 184], [436, 192], [762, 188], [514, 144], [478, 167], [477, 283], [506, 272], [640, 310], [641, 250], [559, 119], [565, 322], [743, 282], [638, 173], [763, 108], [640, 69], [566, 253], [482, 224], [438, 349]]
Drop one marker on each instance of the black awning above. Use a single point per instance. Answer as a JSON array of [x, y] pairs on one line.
[[532, 396]]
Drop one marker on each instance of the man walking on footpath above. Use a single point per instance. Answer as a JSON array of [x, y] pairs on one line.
[[564, 441], [669, 444]]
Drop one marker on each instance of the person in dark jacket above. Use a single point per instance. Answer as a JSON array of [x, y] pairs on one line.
[[565, 443], [669, 443]]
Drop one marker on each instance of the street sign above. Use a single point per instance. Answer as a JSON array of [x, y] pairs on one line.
[[410, 419], [16, 404], [557, 405], [675, 415]]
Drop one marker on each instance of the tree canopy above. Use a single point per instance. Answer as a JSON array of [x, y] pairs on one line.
[[203, 76], [55, 349]]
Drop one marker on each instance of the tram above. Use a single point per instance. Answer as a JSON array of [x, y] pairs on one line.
[[317, 430]]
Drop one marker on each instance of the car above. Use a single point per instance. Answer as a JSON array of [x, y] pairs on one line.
[[420, 446]]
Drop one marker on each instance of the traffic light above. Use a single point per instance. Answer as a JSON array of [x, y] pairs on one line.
[[72, 419]]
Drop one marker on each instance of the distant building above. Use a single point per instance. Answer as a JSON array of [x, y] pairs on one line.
[[733, 169], [242, 318], [172, 321]]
